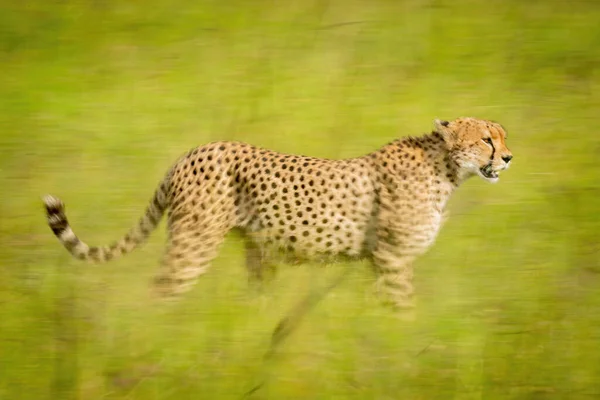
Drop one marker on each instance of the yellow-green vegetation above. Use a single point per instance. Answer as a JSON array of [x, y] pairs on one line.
[[98, 98]]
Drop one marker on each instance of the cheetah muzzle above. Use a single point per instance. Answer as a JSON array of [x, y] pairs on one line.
[[488, 172]]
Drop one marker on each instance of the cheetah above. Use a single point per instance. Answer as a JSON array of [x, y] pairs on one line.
[[386, 207]]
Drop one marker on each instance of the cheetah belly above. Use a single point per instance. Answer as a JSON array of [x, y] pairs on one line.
[[308, 216], [329, 231]]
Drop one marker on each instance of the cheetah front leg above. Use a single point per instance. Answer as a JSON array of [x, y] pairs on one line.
[[259, 269], [395, 280]]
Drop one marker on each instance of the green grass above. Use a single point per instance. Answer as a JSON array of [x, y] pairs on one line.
[[98, 98]]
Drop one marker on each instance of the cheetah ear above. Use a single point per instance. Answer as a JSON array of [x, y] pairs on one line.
[[443, 128]]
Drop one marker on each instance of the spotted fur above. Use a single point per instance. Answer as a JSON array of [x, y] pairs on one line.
[[386, 206]]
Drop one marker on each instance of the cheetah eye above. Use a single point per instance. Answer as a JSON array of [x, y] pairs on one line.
[[488, 140]]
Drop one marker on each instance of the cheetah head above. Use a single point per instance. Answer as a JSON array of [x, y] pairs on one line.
[[477, 146]]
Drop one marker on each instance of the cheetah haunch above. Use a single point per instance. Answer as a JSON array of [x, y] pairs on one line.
[[386, 206]]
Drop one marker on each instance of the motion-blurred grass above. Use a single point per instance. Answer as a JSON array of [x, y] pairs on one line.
[[98, 98]]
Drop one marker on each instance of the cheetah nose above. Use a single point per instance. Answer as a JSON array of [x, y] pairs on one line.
[[507, 158]]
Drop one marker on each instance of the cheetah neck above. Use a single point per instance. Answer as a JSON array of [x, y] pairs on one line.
[[438, 156], [423, 164], [431, 155]]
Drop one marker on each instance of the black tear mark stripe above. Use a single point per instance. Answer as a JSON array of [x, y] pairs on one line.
[[493, 150]]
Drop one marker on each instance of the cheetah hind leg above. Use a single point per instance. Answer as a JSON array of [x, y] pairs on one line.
[[188, 255]]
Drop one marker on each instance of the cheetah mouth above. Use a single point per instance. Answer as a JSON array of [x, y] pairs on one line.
[[488, 173]]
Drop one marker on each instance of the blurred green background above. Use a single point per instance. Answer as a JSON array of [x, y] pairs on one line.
[[98, 98]]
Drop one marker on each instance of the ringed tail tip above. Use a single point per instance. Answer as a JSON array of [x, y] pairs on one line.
[[55, 212], [53, 204]]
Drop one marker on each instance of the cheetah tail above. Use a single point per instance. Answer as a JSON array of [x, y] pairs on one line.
[[57, 220]]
